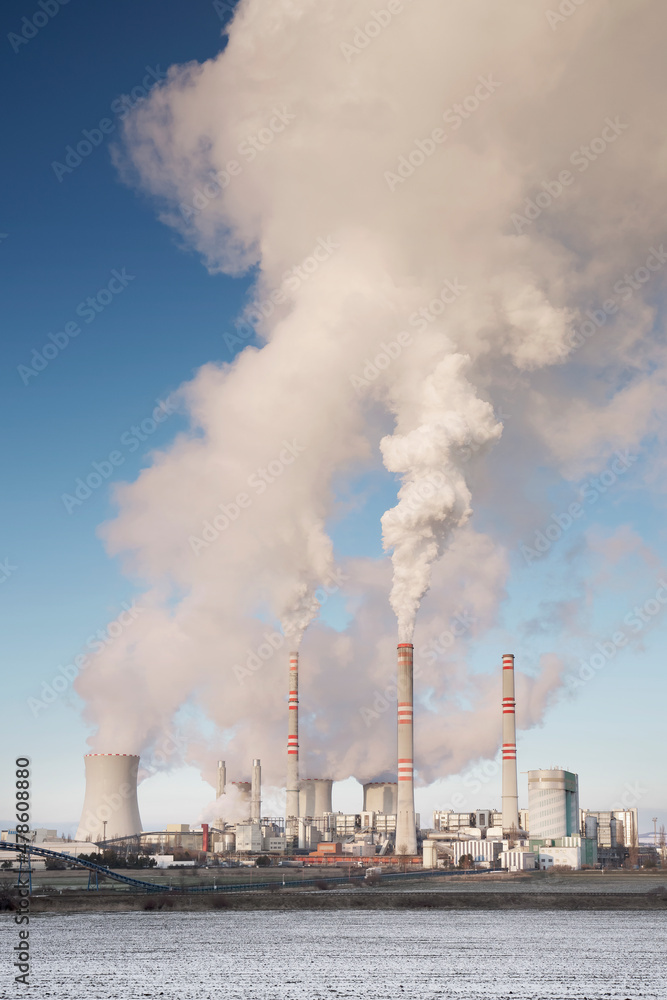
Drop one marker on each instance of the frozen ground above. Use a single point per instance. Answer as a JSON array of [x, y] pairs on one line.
[[507, 955], [579, 882]]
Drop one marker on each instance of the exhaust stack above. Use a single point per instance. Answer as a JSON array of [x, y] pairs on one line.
[[221, 785], [510, 795], [292, 796], [256, 792], [406, 832], [222, 779]]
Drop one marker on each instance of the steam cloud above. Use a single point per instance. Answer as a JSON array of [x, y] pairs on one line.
[[422, 260]]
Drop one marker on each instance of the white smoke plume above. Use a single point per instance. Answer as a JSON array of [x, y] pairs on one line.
[[434, 499], [449, 211]]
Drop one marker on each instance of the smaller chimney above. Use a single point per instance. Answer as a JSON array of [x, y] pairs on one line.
[[256, 792], [220, 790], [222, 779]]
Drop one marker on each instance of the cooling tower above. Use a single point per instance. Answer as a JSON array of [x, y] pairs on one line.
[[406, 831], [510, 795], [256, 792], [292, 796], [315, 796], [110, 807], [244, 789], [381, 796]]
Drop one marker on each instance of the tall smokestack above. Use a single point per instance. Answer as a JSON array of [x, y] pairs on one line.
[[406, 834], [256, 792], [110, 807], [220, 790], [510, 793], [292, 797], [222, 779]]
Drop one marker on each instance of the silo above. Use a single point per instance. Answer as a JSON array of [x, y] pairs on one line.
[[430, 858], [381, 796], [591, 827], [110, 807]]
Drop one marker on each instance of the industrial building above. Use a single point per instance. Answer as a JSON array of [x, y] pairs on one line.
[[552, 831], [468, 824], [518, 861], [615, 832], [568, 852]]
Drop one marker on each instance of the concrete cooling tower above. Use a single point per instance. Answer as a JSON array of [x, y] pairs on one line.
[[110, 807], [244, 788], [381, 796], [315, 796]]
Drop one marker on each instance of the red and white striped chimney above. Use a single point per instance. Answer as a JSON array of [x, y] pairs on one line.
[[292, 797], [510, 795], [406, 832]]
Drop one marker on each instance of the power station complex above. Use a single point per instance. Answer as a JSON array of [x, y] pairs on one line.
[[552, 831]]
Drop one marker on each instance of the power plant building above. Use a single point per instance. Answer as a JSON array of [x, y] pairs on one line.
[[483, 852], [518, 861], [568, 852], [472, 823], [556, 831]]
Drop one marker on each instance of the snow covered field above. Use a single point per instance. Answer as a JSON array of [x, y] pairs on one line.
[[507, 955]]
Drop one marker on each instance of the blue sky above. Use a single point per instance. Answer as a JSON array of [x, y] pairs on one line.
[[65, 237]]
